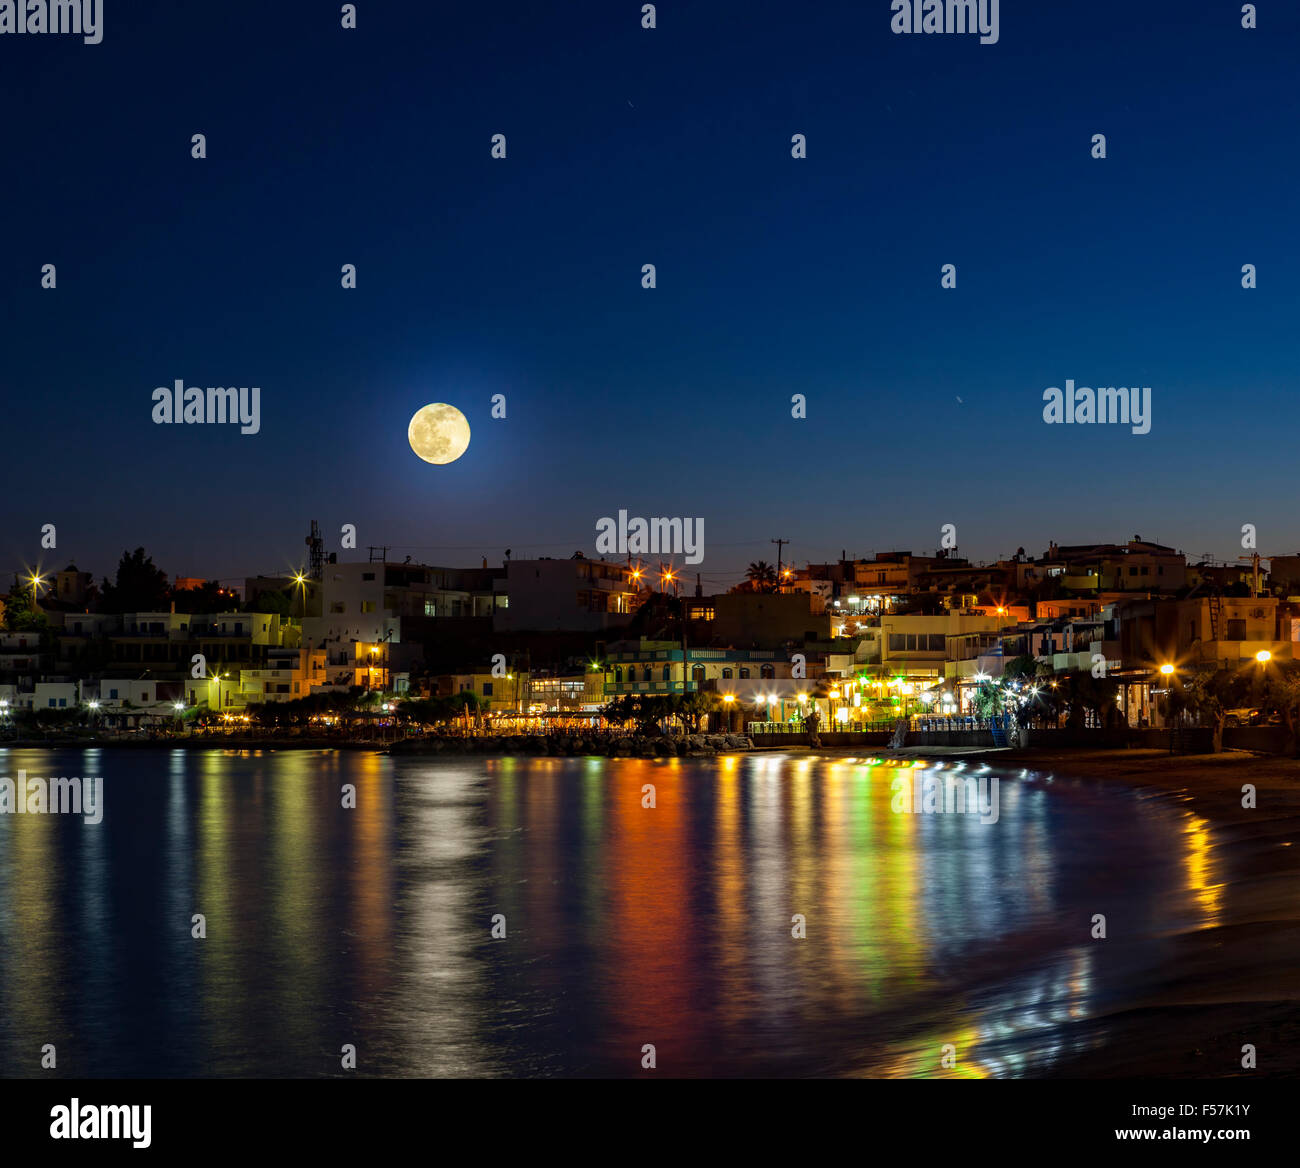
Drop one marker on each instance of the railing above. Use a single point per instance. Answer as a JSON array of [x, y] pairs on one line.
[[930, 724]]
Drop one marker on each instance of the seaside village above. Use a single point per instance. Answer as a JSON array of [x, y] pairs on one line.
[[1100, 636]]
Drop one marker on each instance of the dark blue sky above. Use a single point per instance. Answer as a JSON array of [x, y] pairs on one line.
[[522, 277]]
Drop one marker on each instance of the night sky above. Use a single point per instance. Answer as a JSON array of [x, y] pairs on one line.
[[523, 277]]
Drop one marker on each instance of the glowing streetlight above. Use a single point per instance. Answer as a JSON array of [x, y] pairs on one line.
[[1263, 656], [1166, 669]]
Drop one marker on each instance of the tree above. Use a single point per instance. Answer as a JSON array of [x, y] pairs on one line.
[[275, 601], [208, 597], [1280, 689], [697, 705], [140, 586], [19, 615], [1208, 695], [1024, 667], [1081, 693], [989, 699], [761, 576]]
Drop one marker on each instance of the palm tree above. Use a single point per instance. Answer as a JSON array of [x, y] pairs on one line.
[[761, 576]]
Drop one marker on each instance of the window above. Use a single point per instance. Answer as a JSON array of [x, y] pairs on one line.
[[367, 575], [618, 675], [487, 689], [430, 608], [767, 672], [144, 695], [367, 606], [645, 673], [697, 672], [338, 606], [112, 695], [63, 703], [727, 673], [51, 703], [668, 672], [1236, 631], [744, 672]]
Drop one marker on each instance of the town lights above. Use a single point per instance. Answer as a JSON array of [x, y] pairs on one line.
[[728, 698], [1263, 656], [1166, 669]]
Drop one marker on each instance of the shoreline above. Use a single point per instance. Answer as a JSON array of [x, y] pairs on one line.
[[1230, 983]]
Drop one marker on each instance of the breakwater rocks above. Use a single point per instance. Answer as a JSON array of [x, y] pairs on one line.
[[569, 745]]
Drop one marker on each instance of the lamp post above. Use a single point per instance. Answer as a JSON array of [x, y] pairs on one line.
[[1168, 671]]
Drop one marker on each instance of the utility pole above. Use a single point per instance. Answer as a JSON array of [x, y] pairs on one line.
[[780, 543]]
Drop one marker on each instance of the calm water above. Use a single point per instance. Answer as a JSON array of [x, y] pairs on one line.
[[625, 926]]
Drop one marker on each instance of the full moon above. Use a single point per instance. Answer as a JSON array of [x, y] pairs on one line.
[[438, 433]]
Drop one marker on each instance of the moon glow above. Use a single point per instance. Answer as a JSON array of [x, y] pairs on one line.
[[438, 433]]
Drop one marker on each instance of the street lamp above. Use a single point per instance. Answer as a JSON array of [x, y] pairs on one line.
[[1168, 671], [1263, 656]]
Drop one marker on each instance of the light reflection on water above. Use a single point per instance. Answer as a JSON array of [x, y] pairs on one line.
[[927, 935]]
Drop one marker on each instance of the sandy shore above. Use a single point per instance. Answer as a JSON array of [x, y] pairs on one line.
[[1237, 980]]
